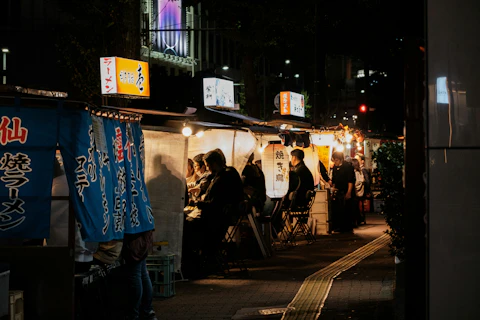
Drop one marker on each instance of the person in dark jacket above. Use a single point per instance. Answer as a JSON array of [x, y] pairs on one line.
[[305, 177], [221, 203], [254, 184], [343, 179]]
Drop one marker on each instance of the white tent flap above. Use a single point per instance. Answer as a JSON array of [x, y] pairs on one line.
[[165, 166]]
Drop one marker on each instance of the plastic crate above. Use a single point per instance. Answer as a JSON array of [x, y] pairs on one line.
[[4, 284], [162, 273], [16, 305]]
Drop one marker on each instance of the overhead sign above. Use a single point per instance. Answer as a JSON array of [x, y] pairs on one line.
[[218, 93], [122, 76], [292, 104]]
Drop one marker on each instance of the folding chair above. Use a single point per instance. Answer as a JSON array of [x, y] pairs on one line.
[[281, 211], [228, 253], [300, 215]]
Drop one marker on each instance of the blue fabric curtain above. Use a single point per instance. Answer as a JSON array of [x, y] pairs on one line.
[[28, 138], [139, 214], [89, 176], [104, 166]]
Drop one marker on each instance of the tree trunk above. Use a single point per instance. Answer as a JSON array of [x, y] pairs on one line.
[[251, 94]]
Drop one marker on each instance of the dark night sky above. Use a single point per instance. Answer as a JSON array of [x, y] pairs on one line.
[[370, 34]]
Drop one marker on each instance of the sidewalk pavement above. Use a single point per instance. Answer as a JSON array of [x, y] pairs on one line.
[[273, 283], [363, 292]]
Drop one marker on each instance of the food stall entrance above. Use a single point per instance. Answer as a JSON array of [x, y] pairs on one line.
[[237, 144]]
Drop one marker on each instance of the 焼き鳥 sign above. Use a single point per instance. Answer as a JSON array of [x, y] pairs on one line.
[[28, 140]]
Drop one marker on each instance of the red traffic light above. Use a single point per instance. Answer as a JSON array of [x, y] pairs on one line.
[[363, 108]]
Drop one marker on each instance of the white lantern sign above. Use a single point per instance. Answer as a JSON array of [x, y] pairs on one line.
[[275, 166]]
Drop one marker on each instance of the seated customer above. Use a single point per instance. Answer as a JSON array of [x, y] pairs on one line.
[[254, 184], [198, 189], [221, 202], [305, 177]]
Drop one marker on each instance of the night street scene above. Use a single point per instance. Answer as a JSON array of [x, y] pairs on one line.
[[239, 159]]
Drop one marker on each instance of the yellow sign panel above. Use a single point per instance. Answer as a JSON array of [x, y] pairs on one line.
[[124, 77], [133, 77], [324, 155]]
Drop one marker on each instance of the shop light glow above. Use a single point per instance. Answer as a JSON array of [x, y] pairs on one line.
[[187, 131], [200, 134]]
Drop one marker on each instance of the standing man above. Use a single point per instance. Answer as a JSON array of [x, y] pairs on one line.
[[343, 179], [140, 292]]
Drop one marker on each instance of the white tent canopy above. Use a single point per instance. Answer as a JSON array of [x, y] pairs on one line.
[[237, 145], [165, 164]]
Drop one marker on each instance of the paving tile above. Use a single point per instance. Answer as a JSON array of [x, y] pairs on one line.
[[275, 281]]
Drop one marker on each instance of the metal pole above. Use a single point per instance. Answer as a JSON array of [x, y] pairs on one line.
[[4, 67]]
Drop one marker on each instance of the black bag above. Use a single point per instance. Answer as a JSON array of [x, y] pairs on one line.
[[137, 246]]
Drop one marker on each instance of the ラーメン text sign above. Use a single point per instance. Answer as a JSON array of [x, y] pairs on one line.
[[292, 103], [120, 76]]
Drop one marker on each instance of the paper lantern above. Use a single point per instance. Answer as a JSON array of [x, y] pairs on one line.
[[275, 166]]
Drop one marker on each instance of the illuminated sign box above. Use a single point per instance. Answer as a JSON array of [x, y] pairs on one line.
[[218, 93], [292, 104], [442, 90], [127, 77]]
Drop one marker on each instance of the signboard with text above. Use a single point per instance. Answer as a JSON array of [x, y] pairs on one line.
[[127, 77], [218, 93], [292, 104], [28, 140], [442, 90]]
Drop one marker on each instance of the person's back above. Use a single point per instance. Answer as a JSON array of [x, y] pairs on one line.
[[305, 177], [306, 184], [223, 195], [254, 184]]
